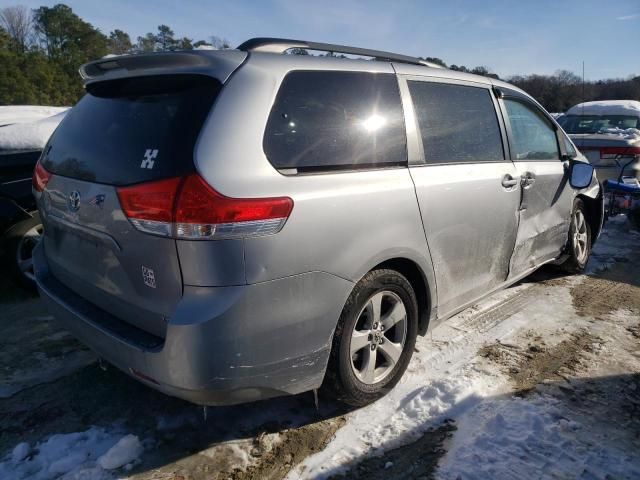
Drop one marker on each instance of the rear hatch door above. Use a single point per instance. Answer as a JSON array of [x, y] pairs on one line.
[[122, 132]]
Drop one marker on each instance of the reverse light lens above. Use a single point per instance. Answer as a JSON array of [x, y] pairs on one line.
[[40, 177], [188, 208]]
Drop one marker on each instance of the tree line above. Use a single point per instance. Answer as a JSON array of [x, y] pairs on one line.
[[41, 50]]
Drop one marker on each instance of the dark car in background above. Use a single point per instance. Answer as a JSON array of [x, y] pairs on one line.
[[23, 133]]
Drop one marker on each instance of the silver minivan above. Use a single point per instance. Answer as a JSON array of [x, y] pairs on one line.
[[227, 226]]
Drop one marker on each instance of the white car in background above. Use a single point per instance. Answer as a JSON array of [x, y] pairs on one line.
[[608, 134]]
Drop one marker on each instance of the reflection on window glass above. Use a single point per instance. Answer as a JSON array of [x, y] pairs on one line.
[[533, 138], [326, 120], [457, 123]]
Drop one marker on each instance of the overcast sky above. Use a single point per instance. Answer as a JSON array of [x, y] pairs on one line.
[[508, 36]]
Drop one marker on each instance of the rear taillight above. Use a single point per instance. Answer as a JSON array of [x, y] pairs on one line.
[[615, 152], [40, 177], [188, 208]]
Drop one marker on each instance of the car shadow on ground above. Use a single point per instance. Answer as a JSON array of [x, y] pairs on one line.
[[174, 430]]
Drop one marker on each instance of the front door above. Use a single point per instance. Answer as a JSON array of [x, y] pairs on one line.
[[545, 208]]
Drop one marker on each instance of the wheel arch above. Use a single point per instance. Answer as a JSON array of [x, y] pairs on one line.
[[418, 280], [595, 214]]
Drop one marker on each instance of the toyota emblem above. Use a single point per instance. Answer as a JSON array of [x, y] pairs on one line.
[[74, 201]]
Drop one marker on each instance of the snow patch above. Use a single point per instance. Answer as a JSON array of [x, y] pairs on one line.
[[607, 107], [513, 437], [29, 136], [27, 113], [395, 420], [625, 133], [72, 455], [20, 452], [125, 451]]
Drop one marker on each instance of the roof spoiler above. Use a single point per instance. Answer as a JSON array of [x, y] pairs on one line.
[[117, 66]]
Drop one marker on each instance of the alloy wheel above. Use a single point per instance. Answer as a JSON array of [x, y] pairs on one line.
[[378, 337], [580, 236]]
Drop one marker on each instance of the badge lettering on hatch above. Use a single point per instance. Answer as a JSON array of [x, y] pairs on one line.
[[148, 277], [149, 157]]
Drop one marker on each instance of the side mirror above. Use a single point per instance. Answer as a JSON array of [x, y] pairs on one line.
[[581, 174]]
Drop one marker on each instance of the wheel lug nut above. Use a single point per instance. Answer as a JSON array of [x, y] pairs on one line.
[[375, 325], [381, 341], [373, 347], [381, 328]]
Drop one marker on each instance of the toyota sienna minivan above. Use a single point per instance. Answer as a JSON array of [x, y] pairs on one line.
[[228, 226]]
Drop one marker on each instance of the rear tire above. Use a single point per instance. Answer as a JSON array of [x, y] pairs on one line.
[[374, 339], [19, 242], [579, 243]]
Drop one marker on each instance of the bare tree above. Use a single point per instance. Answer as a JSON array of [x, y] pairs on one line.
[[18, 23], [219, 43]]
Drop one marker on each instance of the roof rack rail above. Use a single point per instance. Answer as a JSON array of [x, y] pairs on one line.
[[281, 45]]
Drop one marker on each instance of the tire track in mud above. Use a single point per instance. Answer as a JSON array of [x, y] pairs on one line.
[[493, 316]]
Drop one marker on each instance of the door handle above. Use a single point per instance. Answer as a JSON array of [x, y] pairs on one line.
[[509, 182]]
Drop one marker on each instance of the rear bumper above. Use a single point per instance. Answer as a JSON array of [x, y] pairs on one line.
[[224, 345]]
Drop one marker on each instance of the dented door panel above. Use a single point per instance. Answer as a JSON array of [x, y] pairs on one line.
[[545, 212]]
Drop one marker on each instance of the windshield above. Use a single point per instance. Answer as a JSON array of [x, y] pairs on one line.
[[597, 123]]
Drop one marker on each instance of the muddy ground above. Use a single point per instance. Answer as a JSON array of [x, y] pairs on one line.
[[49, 383]]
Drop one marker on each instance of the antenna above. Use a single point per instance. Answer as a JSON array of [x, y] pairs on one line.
[[583, 96]]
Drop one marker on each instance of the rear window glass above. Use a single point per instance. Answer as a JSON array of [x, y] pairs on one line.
[[588, 124], [336, 120], [457, 123], [132, 130]]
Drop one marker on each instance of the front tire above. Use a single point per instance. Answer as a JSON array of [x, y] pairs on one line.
[[374, 339], [579, 245]]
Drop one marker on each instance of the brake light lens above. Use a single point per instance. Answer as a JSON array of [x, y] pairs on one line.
[[188, 208], [615, 152], [40, 177]]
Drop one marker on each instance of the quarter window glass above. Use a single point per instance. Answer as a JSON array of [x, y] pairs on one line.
[[328, 120], [457, 123], [568, 147], [533, 137]]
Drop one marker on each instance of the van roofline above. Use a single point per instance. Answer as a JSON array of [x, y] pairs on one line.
[[222, 63]]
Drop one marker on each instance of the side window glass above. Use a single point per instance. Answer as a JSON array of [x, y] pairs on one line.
[[457, 123], [533, 137], [324, 120]]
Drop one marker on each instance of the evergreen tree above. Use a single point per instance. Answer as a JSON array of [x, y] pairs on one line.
[[66, 37], [119, 43]]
